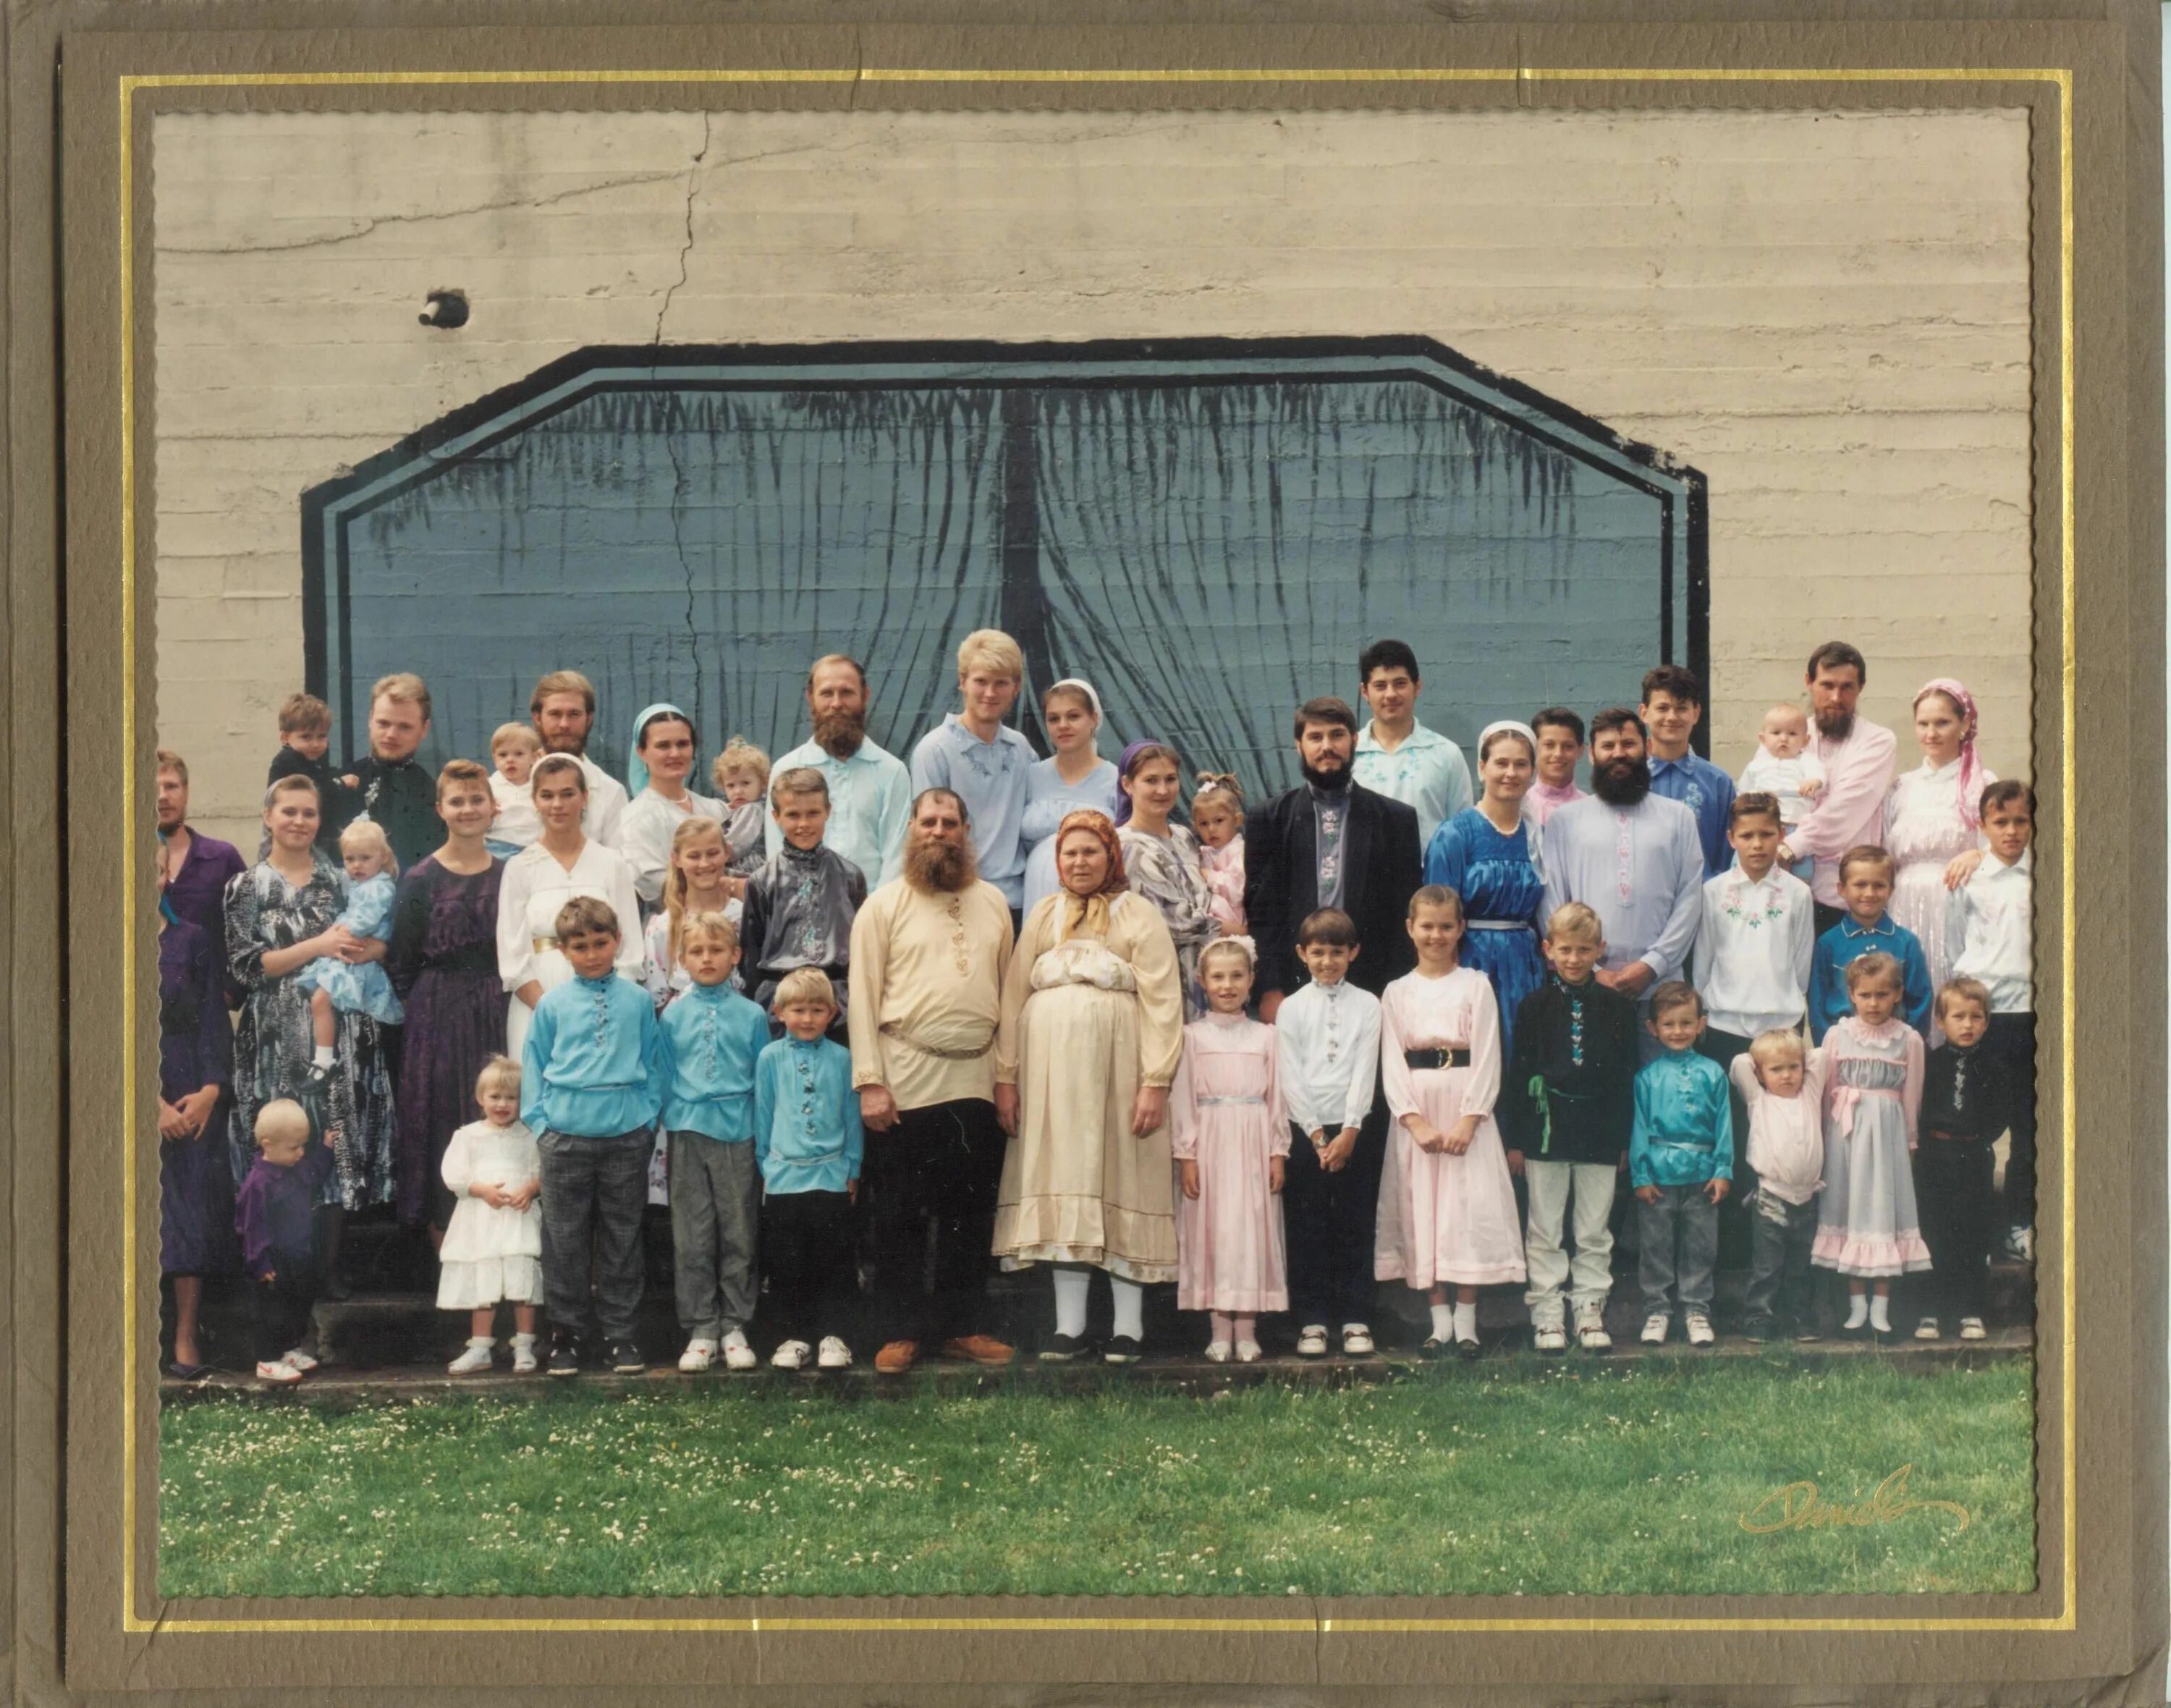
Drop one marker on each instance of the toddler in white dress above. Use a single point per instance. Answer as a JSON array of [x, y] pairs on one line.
[[1785, 767], [492, 1252]]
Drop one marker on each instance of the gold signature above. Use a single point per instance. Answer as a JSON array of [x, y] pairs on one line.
[[1800, 1507]]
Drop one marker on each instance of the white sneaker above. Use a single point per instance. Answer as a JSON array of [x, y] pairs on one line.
[[1926, 1330], [476, 1357], [1356, 1341], [791, 1355], [1590, 1335], [278, 1370], [524, 1362], [1971, 1329], [1700, 1334], [737, 1354], [1247, 1352], [834, 1355], [299, 1360], [1313, 1342], [1654, 1331], [1550, 1337], [1217, 1352], [700, 1354]]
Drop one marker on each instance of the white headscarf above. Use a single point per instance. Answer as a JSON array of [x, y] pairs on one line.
[[1532, 834], [1083, 687]]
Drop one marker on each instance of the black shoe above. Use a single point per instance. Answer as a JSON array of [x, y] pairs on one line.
[[1123, 1348], [1434, 1347], [1061, 1349], [1759, 1328], [625, 1359], [565, 1356], [1469, 1350], [188, 1372]]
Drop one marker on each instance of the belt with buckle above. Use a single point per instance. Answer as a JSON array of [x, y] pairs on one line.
[[1439, 1061]]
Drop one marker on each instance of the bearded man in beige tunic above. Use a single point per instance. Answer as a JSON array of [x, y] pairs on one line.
[[1092, 1028], [929, 952]]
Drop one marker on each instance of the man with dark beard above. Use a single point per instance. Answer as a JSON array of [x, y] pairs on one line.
[[1858, 759], [1331, 843], [870, 790], [1634, 858], [929, 951]]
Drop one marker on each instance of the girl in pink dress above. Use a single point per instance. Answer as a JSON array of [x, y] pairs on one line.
[[1217, 819], [1229, 1138], [1447, 1206]]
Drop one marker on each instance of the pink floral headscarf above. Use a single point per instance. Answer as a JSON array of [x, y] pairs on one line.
[[1971, 765]]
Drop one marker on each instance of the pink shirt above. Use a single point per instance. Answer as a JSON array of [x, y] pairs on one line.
[[1851, 810], [1544, 799]]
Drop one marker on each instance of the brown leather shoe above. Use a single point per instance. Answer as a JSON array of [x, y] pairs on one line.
[[897, 1357], [981, 1349]]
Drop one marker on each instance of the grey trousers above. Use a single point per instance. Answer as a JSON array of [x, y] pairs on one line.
[[593, 1193], [1683, 1215], [1780, 1283], [716, 1204]]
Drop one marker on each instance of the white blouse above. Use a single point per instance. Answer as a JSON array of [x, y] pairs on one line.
[[535, 886], [644, 833]]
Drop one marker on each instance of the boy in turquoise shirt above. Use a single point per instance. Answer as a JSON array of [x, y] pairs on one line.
[[1680, 1162], [808, 1142], [594, 1071], [716, 1038]]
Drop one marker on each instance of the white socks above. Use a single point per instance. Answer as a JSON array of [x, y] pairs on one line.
[[1443, 1322], [1070, 1284], [1130, 1307], [1880, 1317], [1858, 1310], [1222, 1328], [324, 1057], [1466, 1321], [1247, 1328]]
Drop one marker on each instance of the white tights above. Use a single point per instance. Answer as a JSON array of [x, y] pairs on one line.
[[1071, 1282]]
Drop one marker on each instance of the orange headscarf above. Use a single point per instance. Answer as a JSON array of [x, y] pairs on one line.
[[1090, 913]]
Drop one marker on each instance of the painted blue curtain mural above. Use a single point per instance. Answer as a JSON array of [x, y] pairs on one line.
[[1208, 532]]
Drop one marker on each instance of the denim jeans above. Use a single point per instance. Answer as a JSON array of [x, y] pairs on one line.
[[1781, 1235], [1683, 1215]]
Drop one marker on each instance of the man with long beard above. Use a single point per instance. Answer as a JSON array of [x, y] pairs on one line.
[[1331, 842], [1634, 858], [929, 951], [870, 790], [1859, 758]]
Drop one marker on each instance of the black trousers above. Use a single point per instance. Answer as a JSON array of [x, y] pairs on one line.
[[2011, 1040], [940, 1166], [1737, 1239], [279, 1309], [1957, 1202], [1826, 917], [1329, 1222], [808, 1247]]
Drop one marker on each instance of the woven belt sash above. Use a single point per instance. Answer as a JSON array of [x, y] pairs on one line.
[[889, 1030]]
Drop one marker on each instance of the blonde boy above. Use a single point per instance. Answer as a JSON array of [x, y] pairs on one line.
[[977, 756]]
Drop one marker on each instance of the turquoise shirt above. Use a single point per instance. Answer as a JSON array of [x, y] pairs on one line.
[[1848, 942], [597, 1063], [806, 1132], [716, 1037], [1427, 774], [1684, 1132], [870, 805]]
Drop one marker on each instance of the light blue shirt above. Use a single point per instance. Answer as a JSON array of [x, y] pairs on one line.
[[716, 1037], [870, 805], [806, 1132], [597, 1063], [1683, 1133], [1709, 793], [1640, 868], [1048, 800], [990, 776], [1427, 774]]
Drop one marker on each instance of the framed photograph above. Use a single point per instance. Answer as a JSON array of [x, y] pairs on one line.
[[703, 709]]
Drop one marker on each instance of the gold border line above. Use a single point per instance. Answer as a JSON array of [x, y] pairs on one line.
[[2065, 1619]]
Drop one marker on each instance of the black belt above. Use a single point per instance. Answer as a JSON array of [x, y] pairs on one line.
[[1439, 1061]]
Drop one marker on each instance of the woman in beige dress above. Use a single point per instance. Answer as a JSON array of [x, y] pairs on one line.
[[1092, 1028]]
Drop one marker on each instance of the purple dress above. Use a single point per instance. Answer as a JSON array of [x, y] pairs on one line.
[[196, 895], [195, 1049], [443, 961]]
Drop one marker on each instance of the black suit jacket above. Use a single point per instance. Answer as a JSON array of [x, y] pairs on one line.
[[1383, 868]]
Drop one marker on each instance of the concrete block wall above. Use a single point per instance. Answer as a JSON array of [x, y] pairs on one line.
[[1828, 313]]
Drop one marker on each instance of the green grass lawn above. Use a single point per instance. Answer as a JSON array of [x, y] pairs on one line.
[[1515, 1478]]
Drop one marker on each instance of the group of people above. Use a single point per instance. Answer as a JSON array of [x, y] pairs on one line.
[[849, 1013]]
